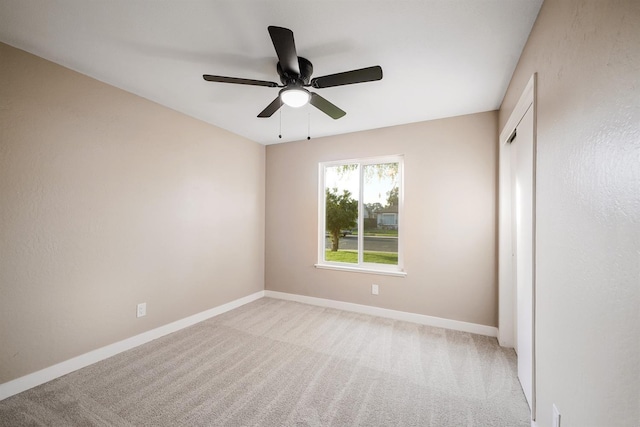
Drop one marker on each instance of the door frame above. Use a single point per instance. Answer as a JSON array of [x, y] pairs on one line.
[[506, 284]]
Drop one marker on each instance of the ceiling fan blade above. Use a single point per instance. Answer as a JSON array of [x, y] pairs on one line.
[[271, 108], [236, 80], [362, 75], [285, 47], [325, 106]]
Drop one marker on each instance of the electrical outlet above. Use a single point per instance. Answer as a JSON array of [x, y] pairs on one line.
[[142, 309], [556, 416], [374, 289]]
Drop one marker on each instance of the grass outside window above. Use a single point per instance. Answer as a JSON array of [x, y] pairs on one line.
[[352, 257]]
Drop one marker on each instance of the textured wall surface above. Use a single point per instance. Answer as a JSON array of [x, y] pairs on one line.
[[587, 55], [108, 200], [449, 222]]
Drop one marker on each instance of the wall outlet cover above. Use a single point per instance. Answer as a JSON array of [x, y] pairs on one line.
[[141, 309], [374, 289]]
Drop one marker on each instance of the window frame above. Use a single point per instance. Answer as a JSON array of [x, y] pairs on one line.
[[361, 266]]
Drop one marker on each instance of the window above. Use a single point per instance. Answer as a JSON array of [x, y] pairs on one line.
[[360, 214]]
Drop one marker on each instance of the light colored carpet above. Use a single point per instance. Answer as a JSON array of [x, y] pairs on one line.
[[280, 363]]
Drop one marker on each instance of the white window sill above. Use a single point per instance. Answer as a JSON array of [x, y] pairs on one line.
[[361, 270]]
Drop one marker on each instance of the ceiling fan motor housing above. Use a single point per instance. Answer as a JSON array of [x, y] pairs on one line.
[[306, 70]]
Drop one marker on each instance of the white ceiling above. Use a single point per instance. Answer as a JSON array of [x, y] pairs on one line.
[[440, 58]]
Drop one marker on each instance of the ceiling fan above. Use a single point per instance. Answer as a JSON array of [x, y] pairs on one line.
[[295, 75]]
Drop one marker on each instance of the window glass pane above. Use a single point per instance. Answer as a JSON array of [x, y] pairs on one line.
[[341, 213], [380, 213]]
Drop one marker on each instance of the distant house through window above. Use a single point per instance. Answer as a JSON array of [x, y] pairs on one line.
[[388, 218], [360, 214]]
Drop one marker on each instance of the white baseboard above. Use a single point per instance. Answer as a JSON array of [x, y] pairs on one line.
[[422, 319], [40, 377]]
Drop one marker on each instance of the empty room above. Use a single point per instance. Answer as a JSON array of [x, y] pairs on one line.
[[320, 213]]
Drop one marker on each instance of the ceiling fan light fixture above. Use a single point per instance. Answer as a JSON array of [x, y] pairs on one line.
[[295, 97]]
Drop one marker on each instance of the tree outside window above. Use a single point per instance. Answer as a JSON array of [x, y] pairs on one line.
[[341, 214]]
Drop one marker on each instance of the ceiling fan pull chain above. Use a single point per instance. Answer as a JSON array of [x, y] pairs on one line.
[[280, 133], [308, 126]]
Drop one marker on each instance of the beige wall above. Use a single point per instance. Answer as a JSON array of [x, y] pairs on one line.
[[108, 200], [587, 55], [450, 225]]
